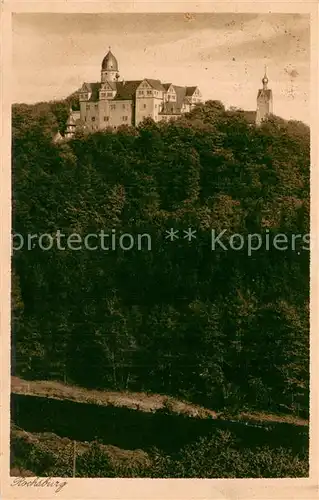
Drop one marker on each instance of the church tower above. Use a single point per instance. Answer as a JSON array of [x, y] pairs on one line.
[[109, 70], [264, 101]]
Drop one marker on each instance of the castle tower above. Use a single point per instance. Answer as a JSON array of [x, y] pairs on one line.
[[264, 101], [70, 126], [109, 70]]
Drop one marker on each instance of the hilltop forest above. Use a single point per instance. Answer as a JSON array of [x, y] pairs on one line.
[[217, 326], [220, 328]]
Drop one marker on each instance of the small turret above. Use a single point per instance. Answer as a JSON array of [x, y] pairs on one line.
[[70, 126]]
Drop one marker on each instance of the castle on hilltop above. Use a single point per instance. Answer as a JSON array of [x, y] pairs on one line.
[[112, 102]]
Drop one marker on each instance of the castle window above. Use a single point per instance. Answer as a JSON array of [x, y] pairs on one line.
[[124, 118], [144, 106], [113, 106], [109, 94], [149, 92], [96, 106], [123, 106], [93, 118], [102, 94], [140, 92], [88, 107], [106, 118]]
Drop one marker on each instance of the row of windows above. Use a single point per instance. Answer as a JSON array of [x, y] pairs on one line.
[[144, 106], [107, 118], [113, 106], [147, 92]]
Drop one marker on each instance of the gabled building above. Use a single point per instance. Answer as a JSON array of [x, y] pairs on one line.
[[72, 124], [112, 102]]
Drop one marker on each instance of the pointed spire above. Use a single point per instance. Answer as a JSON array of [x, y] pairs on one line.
[[265, 79]]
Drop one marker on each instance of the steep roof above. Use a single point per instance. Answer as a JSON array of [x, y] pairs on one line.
[[85, 87], [94, 89], [110, 84], [126, 90], [190, 91], [156, 84], [180, 94]]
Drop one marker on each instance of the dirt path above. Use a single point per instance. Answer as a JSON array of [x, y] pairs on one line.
[[137, 400]]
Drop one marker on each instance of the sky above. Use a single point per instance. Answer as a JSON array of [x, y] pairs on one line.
[[223, 54]]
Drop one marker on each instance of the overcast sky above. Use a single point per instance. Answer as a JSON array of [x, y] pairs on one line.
[[224, 54]]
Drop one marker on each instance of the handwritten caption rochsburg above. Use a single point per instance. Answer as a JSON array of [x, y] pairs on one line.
[[39, 482]]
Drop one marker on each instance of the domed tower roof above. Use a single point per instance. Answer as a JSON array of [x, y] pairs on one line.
[[109, 62]]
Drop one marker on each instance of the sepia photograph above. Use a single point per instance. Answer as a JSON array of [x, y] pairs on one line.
[[160, 262]]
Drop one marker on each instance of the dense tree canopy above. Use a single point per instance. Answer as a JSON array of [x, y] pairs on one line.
[[218, 326]]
